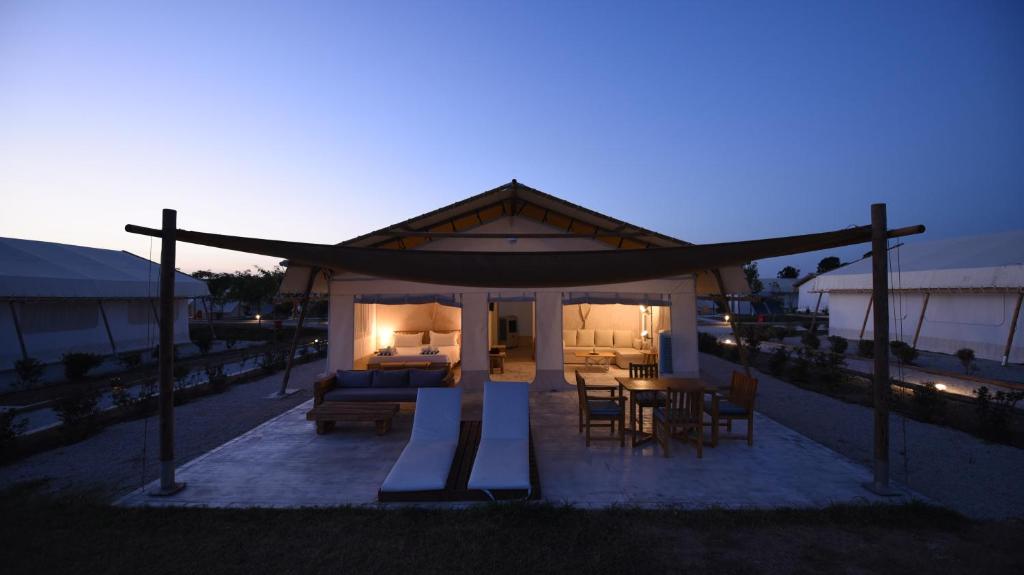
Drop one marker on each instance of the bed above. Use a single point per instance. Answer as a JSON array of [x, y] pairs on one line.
[[447, 343]]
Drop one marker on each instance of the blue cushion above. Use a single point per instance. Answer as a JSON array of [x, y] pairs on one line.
[[726, 408], [353, 378], [649, 398], [426, 377], [603, 407], [390, 378]]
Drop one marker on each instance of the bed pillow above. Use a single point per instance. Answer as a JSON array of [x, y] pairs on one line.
[[409, 339], [427, 377], [353, 378], [623, 338], [585, 338], [439, 339], [569, 337], [603, 338], [390, 378]]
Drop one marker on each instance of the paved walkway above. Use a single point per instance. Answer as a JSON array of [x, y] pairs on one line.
[[958, 470], [110, 463], [283, 463]]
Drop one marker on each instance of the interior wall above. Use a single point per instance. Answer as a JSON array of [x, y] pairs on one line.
[[601, 316], [414, 317], [523, 310]]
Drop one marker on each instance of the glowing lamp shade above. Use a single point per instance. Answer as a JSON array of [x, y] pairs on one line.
[[385, 337], [726, 317], [643, 333]]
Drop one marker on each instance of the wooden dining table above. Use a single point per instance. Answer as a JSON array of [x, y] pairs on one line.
[[689, 385]]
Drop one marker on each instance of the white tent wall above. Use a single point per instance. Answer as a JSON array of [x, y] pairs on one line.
[[979, 321], [10, 349], [808, 299], [602, 316]]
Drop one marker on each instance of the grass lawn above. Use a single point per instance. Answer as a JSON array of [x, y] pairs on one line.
[[75, 534]]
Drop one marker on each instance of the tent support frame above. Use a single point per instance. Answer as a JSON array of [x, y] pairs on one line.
[[284, 391], [1013, 328], [106, 325], [920, 320], [17, 330]]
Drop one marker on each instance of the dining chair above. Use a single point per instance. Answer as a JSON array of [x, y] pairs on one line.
[[737, 404], [681, 416], [599, 411], [645, 399], [612, 389]]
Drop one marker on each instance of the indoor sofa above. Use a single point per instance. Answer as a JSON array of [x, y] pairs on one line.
[[622, 342]]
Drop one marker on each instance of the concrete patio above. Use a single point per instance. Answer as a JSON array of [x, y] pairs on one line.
[[283, 463]]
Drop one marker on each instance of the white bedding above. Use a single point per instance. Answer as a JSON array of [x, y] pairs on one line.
[[451, 354]]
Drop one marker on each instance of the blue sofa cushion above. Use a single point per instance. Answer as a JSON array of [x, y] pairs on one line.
[[426, 377], [604, 407], [727, 408], [353, 378], [390, 378]]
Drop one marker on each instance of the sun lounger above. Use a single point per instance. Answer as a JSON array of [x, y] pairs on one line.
[[427, 459], [503, 459]]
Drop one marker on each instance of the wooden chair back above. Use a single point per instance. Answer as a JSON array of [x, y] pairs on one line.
[[581, 390], [643, 370], [742, 390]]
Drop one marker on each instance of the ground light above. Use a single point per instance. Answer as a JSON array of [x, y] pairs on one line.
[[940, 386]]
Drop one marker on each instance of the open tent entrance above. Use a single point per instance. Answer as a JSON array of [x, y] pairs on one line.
[[407, 328], [511, 337], [603, 335]]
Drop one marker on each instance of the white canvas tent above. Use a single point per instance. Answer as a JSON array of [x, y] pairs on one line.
[[58, 298], [948, 294]]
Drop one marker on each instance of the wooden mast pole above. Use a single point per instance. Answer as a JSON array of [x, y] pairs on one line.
[[168, 486], [880, 301], [814, 316], [284, 391], [1013, 328]]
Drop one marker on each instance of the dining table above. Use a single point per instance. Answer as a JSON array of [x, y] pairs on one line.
[[688, 385]]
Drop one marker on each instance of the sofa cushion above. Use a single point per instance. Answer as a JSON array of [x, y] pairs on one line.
[[353, 378], [585, 338], [394, 394], [390, 378], [569, 338], [603, 337], [426, 377], [623, 338]]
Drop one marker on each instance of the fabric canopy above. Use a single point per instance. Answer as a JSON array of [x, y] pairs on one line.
[[529, 269]]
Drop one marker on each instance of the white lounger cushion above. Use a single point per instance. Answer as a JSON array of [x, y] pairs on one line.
[[503, 459], [426, 461]]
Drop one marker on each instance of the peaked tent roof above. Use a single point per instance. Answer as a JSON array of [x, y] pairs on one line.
[[38, 270], [509, 199], [993, 262]]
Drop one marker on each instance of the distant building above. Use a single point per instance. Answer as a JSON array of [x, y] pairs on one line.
[[947, 295], [806, 299], [58, 298]]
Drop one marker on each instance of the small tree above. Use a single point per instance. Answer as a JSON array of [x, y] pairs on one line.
[[828, 264], [130, 359], [966, 357], [838, 343], [753, 277], [78, 365], [811, 340], [204, 341], [77, 411], [903, 351], [866, 348], [29, 371], [789, 272]]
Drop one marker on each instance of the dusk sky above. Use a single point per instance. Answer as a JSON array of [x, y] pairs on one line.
[[317, 122]]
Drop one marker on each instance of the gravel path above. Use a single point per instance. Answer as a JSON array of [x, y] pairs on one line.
[[973, 477], [110, 463]]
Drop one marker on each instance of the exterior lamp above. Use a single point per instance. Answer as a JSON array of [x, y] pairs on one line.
[[940, 386], [259, 319], [726, 317]]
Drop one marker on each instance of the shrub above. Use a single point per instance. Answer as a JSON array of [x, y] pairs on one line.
[[707, 343], [903, 351], [838, 344], [800, 367], [777, 361], [230, 342], [811, 340], [203, 341], [866, 348], [9, 431], [29, 371], [119, 393], [927, 401], [77, 411], [78, 365], [966, 357], [130, 360], [993, 410], [272, 360], [217, 378]]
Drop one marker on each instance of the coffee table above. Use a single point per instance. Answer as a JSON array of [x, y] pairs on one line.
[[599, 359], [326, 414]]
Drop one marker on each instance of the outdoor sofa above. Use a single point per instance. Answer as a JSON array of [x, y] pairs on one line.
[[379, 385], [622, 342]]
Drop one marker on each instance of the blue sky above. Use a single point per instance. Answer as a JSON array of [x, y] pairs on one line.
[[319, 121]]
